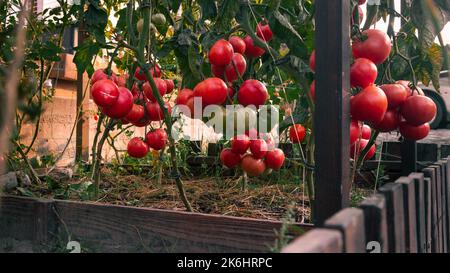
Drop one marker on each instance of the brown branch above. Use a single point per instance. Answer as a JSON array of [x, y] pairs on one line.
[[12, 81]]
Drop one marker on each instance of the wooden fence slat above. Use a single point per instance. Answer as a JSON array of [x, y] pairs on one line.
[[439, 208], [420, 211], [447, 167], [318, 240], [431, 174], [393, 194], [429, 213], [443, 197], [409, 202], [374, 208], [350, 222]]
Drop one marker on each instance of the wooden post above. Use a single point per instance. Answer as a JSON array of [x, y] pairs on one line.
[[82, 130], [331, 121], [409, 157]]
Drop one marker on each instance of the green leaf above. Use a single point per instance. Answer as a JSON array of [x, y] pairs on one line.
[[209, 9], [96, 20], [434, 54], [84, 55], [429, 17], [227, 11], [50, 52]]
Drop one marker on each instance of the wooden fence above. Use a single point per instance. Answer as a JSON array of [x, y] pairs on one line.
[[410, 215]]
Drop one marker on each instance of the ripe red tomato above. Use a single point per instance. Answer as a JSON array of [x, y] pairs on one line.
[[156, 139], [369, 105], [259, 148], [105, 93], [230, 92], [297, 133], [414, 132], [355, 131], [183, 96], [363, 73], [252, 51], [221, 53], [137, 148], [122, 107], [140, 75], [361, 2], [191, 105], [240, 144], [312, 60], [376, 47], [359, 146], [252, 133], [270, 143], [264, 32], [390, 121], [418, 110], [155, 113], [252, 92], [212, 91], [275, 159], [253, 166], [366, 132], [229, 158], [137, 113], [170, 85], [312, 90], [396, 94], [406, 85], [238, 44], [218, 71], [96, 117], [241, 66], [99, 75], [160, 84]]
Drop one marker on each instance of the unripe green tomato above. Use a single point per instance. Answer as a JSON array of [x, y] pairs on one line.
[[159, 19], [140, 25], [153, 29]]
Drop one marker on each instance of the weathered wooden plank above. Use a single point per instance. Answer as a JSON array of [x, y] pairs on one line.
[[375, 218], [331, 118], [431, 174], [393, 193], [445, 231], [26, 219], [409, 156], [318, 240], [409, 202], [440, 235], [124, 229], [447, 193], [420, 211], [428, 212], [350, 222]]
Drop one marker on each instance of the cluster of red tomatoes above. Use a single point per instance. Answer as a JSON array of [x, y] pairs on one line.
[[228, 64], [253, 156], [386, 108], [138, 106], [389, 107]]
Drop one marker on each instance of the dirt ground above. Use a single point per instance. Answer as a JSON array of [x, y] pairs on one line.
[[213, 195]]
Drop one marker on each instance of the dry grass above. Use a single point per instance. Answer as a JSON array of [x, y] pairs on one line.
[[262, 200]]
